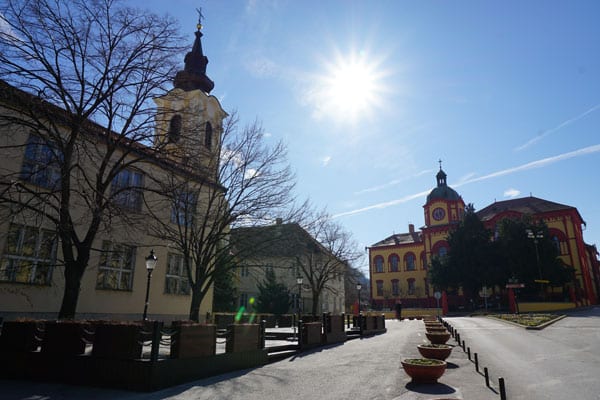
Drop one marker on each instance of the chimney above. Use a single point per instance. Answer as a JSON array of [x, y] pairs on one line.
[[278, 221], [411, 228]]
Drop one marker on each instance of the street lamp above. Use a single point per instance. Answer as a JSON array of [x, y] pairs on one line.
[[150, 265], [358, 287], [535, 236], [299, 282]]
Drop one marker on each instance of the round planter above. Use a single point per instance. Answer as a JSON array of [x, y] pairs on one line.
[[424, 370], [436, 329], [435, 351], [438, 337]]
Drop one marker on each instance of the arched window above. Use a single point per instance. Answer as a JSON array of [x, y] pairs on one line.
[[208, 135], [423, 261], [394, 261], [442, 251], [409, 260], [559, 239], [378, 261], [174, 129]]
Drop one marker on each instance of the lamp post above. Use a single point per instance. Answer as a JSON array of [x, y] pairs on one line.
[[299, 282], [298, 311], [358, 287], [535, 236], [150, 265]]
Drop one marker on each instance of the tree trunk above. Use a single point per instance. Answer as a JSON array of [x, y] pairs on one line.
[[73, 274], [315, 304], [197, 297]]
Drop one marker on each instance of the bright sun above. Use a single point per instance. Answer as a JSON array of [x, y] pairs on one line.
[[351, 89]]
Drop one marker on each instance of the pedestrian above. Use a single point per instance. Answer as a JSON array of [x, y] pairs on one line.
[[399, 310]]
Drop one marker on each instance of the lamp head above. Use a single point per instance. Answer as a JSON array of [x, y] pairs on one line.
[[151, 261]]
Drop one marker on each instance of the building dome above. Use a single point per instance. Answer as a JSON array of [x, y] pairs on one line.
[[442, 191]]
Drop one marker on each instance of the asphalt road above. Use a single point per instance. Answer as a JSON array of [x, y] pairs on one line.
[[562, 361], [366, 368]]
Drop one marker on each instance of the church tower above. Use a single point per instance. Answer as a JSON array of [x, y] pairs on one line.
[[444, 208], [189, 120]]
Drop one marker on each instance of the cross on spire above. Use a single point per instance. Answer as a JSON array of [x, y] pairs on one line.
[[200, 18], [440, 161]]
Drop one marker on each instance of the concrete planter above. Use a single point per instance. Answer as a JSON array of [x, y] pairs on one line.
[[438, 337], [117, 341], [435, 351], [193, 340], [424, 370], [20, 336], [64, 338]]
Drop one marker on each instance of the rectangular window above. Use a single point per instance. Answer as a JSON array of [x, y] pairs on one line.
[[29, 255], [41, 163], [379, 288], [126, 189], [411, 286], [115, 271], [395, 288], [183, 208], [176, 279], [244, 271]]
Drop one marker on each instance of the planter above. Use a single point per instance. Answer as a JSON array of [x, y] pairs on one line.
[[64, 338], [438, 337], [193, 340], [117, 341], [20, 336], [436, 329], [435, 351], [424, 370]]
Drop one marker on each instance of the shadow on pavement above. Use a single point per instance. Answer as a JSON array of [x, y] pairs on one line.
[[437, 388]]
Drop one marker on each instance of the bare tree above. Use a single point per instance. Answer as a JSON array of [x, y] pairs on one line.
[[328, 258], [255, 184], [81, 75]]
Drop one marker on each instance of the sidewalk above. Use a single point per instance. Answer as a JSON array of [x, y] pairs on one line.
[[367, 368]]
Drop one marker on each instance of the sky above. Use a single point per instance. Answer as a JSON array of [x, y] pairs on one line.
[[370, 95]]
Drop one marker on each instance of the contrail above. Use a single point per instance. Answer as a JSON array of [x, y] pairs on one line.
[[531, 165], [556, 128]]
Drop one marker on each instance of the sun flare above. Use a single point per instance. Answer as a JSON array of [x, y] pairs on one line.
[[351, 88]]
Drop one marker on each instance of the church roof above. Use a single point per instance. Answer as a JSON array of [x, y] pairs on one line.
[[193, 76], [442, 191], [526, 205]]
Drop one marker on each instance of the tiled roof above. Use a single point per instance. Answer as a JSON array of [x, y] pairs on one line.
[[399, 238], [526, 205]]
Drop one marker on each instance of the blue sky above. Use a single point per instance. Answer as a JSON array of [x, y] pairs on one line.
[[368, 95]]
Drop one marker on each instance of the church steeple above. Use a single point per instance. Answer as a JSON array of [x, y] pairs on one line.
[[441, 176], [193, 76]]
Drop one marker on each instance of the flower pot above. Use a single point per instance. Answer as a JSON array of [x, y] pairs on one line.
[[438, 337], [435, 351], [435, 329], [424, 370]]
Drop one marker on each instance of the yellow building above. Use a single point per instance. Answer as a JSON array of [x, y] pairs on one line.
[[186, 142], [291, 253], [398, 264]]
